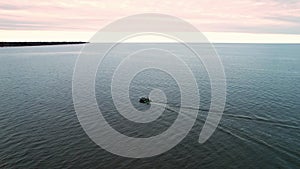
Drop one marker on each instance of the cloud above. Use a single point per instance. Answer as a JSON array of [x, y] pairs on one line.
[[292, 19], [9, 7], [247, 16]]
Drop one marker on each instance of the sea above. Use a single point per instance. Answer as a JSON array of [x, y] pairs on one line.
[[259, 128]]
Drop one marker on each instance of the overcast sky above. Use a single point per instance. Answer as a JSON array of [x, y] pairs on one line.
[[220, 20]]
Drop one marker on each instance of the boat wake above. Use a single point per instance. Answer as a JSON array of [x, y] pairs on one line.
[[237, 133], [255, 118]]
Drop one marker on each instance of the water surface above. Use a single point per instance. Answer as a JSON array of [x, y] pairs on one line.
[[259, 128]]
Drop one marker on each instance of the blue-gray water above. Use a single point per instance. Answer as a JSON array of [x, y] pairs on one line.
[[259, 129]]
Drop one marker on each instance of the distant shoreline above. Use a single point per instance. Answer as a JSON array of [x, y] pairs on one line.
[[20, 44], [25, 44]]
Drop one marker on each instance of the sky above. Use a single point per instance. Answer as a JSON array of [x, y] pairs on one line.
[[233, 21]]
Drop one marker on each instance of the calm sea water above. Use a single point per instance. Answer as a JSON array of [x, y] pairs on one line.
[[259, 129]]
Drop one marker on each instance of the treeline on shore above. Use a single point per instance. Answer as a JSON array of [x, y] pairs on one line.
[[14, 44]]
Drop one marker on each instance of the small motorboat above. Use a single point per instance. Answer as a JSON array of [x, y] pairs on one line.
[[145, 100]]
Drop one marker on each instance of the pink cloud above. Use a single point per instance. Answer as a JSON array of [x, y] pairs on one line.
[[269, 16]]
